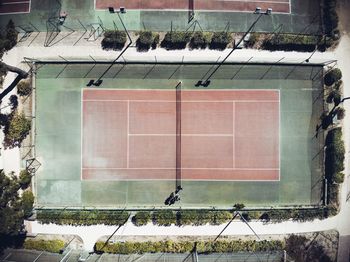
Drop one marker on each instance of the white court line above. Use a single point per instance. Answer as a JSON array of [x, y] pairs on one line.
[[205, 135], [187, 101], [19, 2], [233, 135], [127, 137], [174, 168]]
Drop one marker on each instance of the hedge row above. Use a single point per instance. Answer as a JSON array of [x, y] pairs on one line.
[[115, 40], [82, 217], [335, 151], [53, 246], [202, 217], [291, 42], [279, 215], [183, 217], [186, 246]]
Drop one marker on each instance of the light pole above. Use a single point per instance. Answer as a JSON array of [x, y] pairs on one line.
[[99, 81], [257, 11]]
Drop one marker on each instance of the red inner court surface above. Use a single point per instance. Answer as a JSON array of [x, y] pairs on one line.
[[14, 6], [225, 134], [281, 6]]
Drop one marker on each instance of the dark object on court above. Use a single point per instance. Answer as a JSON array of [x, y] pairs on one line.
[[178, 189], [98, 82], [91, 82], [169, 199], [111, 10], [198, 84], [122, 10]]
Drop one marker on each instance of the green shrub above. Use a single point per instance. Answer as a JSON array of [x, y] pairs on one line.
[[24, 88], [53, 246], [239, 206], [145, 40], [176, 40], [339, 178], [303, 215], [155, 41], [220, 40], [164, 217], [332, 76], [340, 113], [114, 40], [169, 246], [24, 178], [27, 202], [141, 218], [199, 40], [333, 194], [18, 128], [253, 38], [82, 217], [290, 42], [335, 151]]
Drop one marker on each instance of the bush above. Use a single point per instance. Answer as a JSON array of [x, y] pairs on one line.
[[82, 217], [24, 88], [155, 41], [199, 40], [335, 151], [253, 38], [27, 203], [339, 178], [164, 217], [332, 76], [220, 40], [239, 206], [18, 128], [24, 179], [176, 40], [53, 246], [290, 42], [340, 113], [221, 246], [114, 40], [141, 218], [145, 40]]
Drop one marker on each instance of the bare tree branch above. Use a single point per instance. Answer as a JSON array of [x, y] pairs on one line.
[[21, 75]]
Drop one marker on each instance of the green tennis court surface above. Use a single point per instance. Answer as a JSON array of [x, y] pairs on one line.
[[58, 136]]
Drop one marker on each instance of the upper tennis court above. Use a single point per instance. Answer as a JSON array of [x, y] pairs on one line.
[[279, 6]]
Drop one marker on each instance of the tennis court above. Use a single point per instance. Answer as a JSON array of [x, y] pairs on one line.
[[117, 146], [14, 7], [280, 6], [225, 134]]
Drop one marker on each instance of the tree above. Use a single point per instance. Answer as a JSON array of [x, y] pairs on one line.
[[24, 179], [24, 88], [220, 40], [27, 203], [11, 34], [144, 41], [332, 76], [11, 210], [114, 40], [18, 128]]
